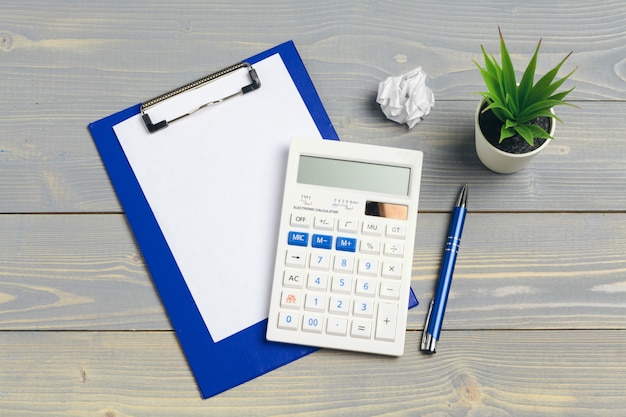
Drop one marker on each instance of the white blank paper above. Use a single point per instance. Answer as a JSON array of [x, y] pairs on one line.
[[214, 182]]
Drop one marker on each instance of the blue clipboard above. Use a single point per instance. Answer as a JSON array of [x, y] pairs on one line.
[[245, 355]]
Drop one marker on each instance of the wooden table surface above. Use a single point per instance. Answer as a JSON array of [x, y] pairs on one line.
[[536, 319]]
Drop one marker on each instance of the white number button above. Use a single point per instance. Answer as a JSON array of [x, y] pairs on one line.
[[368, 267], [342, 285], [365, 287], [339, 305], [312, 323], [288, 320], [320, 261], [363, 308], [344, 264], [317, 282], [315, 302]]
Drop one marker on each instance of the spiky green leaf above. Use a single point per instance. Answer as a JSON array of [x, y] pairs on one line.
[[528, 77], [544, 88], [537, 131], [506, 133], [510, 123], [541, 108], [509, 83], [525, 133], [500, 110]]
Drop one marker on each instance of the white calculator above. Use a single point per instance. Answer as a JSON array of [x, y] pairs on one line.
[[345, 246]]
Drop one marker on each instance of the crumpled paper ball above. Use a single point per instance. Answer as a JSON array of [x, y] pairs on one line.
[[406, 98]]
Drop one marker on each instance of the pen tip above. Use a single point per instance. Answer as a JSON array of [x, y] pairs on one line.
[[462, 200]]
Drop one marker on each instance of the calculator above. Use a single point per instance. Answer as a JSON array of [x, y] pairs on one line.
[[345, 246]]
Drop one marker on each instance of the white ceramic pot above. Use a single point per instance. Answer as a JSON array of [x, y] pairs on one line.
[[500, 161]]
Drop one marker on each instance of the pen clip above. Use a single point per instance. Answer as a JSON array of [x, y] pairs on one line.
[[426, 336]]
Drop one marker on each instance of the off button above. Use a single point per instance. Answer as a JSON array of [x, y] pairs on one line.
[[300, 220]]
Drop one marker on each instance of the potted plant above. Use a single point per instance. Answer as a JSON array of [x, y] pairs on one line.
[[515, 120]]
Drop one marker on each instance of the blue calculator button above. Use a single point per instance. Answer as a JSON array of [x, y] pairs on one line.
[[322, 241], [346, 244], [298, 239]]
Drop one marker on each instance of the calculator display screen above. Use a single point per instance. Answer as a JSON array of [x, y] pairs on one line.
[[354, 175]]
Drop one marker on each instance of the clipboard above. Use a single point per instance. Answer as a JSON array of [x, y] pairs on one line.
[[146, 145]]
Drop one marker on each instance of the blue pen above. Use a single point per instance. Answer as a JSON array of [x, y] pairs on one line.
[[434, 319]]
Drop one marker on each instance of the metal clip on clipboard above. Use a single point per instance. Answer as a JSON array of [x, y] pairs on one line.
[[255, 84]]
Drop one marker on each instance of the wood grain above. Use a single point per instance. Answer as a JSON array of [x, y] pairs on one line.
[[535, 322], [515, 270], [63, 71], [583, 170], [489, 373]]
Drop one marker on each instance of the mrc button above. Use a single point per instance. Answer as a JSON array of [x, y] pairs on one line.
[[298, 239]]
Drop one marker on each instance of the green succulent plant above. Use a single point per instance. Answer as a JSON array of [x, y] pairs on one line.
[[517, 105]]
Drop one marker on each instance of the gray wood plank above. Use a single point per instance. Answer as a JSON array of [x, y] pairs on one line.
[[526, 373], [535, 322], [74, 272], [350, 42], [515, 271], [45, 170]]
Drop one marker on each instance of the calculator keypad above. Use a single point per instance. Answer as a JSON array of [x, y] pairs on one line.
[[341, 277], [342, 267]]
